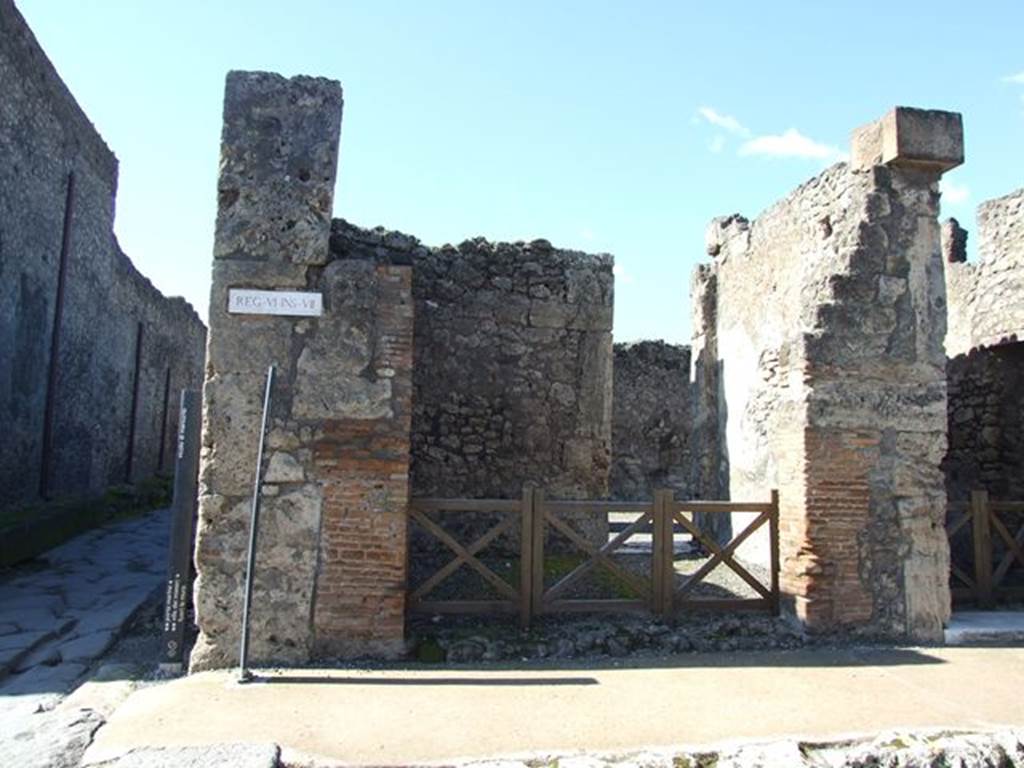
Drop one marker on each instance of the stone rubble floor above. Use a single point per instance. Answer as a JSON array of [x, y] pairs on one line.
[[58, 615]]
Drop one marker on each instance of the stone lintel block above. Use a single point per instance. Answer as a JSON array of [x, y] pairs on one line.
[[923, 139], [279, 158]]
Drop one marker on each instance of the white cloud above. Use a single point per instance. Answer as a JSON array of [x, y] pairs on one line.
[[717, 144], [1018, 78], [954, 193], [621, 275], [587, 234], [792, 143], [725, 122]]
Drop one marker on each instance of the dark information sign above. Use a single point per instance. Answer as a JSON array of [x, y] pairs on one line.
[[183, 516]]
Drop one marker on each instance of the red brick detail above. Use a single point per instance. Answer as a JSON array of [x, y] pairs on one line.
[[364, 467], [821, 535]]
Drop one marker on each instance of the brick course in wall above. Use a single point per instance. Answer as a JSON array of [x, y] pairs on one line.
[[364, 465]]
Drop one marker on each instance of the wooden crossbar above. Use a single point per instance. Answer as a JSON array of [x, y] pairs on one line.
[[596, 556], [721, 555], [988, 529], [434, 581], [657, 593], [465, 555], [1013, 546], [953, 529], [962, 575]]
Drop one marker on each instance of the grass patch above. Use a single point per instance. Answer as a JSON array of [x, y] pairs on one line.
[[606, 584]]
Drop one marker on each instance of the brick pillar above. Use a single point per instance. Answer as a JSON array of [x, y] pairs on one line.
[[363, 461], [337, 444]]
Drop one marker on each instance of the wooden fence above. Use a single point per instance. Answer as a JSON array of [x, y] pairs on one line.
[[986, 540], [533, 519]]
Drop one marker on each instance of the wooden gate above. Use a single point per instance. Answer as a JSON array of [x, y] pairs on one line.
[[986, 556], [514, 598], [550, 514], [656, 588], [680, 598]]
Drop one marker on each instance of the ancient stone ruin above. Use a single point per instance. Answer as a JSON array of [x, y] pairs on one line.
[[817, 368], [92, 356], [985, 369], [821, 327]]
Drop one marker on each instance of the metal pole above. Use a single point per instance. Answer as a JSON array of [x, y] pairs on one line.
[[243, 673]]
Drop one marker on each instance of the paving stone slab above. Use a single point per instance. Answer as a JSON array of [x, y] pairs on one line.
[[46, 654], [12, 708], [985, 628], [96, 590], [235, 755], [23, 640], [16, 602], [41, 679], [53, 739], [87, 647], [14, 648], [106, 689], [33, 618]]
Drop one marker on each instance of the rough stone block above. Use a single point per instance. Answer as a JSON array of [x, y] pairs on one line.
[[279, 158], [923, 139]]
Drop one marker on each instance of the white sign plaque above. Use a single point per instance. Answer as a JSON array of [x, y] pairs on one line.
[[243, 301]]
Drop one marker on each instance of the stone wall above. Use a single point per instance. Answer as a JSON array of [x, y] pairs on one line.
[[652, 417], [511, 385], [513, 365], [57, 186], [330, 575], [984, 298], [512, 373], [986, 423], [986, 364], [826, 378]]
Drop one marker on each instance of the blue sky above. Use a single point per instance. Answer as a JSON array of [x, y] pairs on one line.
[[617, 127]]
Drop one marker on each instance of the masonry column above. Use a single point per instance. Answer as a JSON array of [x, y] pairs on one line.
[[875, 555], [340, 335]]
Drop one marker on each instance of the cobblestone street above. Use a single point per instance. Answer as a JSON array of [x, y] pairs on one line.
[[58, 615]]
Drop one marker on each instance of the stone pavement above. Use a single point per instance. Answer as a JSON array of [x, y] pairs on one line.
[[415, 716], [985, 627], [58, 615]]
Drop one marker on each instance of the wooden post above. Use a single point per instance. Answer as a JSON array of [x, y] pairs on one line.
[[537, 555], [526, 559], [773, 533], [668, 550], [982, 547], [657, 554]]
